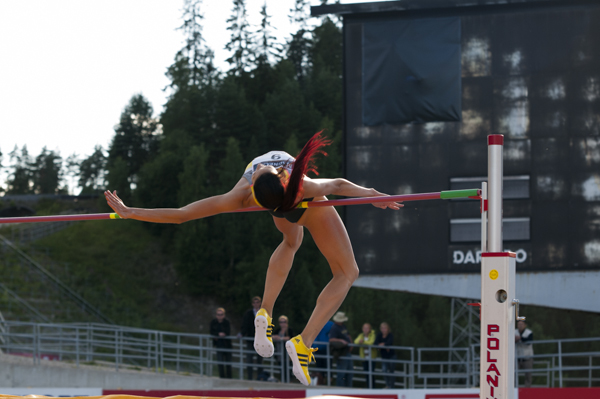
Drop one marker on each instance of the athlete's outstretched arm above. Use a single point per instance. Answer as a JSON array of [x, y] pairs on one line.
[[339, 186], [231, 201]]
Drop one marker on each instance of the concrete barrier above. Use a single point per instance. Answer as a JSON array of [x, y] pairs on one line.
[[18, 371]]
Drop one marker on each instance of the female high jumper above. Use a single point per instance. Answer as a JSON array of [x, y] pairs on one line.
[[278, 182]]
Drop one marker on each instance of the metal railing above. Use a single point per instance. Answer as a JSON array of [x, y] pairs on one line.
[[559, 363], [568, 362], [22, 234], [437, 373]]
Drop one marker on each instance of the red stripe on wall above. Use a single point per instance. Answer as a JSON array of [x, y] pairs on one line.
[[373, 396], [215, 393], [559, 393]]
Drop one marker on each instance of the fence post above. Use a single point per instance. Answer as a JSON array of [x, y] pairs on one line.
[[328, 365], [516, 366], [158, 347], [88, 355], [35, 343], [412, 367], [468, 368], [60, 343], [590, 372], [178, 351], [77, 346], [201, 363], [370, 368], [162, 353], [7, 338], [560, 372], [241, 358], [149, 351], [117, 350], [211, 358], [281, 365], [553, 371], [418, 367]]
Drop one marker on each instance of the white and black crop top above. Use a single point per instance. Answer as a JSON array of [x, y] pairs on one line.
[[277, 159]]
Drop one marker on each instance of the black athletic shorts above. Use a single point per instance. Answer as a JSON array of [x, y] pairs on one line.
[[291, 216]]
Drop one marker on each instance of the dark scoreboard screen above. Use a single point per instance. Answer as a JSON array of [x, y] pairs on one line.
[[424, 88]]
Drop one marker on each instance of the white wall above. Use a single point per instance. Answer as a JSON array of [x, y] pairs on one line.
[[564, 290]]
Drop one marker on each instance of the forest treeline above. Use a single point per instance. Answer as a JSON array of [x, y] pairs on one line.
[[273, 96]]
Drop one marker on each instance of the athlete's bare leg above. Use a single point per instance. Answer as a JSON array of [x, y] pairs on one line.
[[330, 235], [281, 261]]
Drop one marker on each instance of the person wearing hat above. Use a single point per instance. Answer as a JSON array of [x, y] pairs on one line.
[[339, 339]]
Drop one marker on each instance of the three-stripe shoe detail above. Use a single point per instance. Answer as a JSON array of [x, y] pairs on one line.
[[301, 356], [270, 330], [303, 359]]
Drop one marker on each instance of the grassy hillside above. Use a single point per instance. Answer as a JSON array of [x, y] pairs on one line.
[[120, 268]]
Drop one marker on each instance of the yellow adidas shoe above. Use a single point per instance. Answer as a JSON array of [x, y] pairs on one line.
[[263, 343], [301, 356]]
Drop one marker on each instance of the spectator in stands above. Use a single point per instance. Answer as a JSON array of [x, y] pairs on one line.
[[321, 343], [524, 348], [220, 327], [282, 334], [247, 330], [386, 338], [339, 339], [367, 337]]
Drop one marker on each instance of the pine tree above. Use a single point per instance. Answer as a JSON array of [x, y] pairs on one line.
[[291, 145], [92, 171], [222, 240], [136, 136], [194, 179], [267, 51], [236, 116], [47, 172], [325, 83], [193, 186], [299, 14], [286, 112], [299, 44], [118, 179], [195, 56], [194, 81], [158, 184], [71, 172], [240, 42], [20, 181]]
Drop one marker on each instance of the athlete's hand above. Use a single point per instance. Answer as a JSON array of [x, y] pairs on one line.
[[385, 205], [390, 205], [117, 204]]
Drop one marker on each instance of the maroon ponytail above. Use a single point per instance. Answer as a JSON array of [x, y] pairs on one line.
[[304, 164]]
